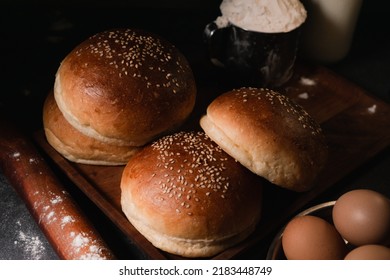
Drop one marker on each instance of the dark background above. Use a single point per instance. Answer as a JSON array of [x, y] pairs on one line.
[[36, 35]]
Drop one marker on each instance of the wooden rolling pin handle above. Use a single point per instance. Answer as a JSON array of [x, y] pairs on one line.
[[71, 234]]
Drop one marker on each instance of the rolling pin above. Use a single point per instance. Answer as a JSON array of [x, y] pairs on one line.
[[71, 234]]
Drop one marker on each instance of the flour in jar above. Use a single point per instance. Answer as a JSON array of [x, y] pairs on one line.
[[268, 16]]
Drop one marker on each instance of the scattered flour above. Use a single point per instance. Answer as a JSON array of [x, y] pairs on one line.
[[66, 220], [16, 155], [93, 254], [33, 160], [304, 95], [81, 241], [32, 246], [50, 215], [307, 82], [56, 199], [372, 109]]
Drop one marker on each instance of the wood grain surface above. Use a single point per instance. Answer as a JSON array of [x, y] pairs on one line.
[[356, 126]]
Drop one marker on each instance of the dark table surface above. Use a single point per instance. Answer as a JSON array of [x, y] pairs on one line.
[[36, 38]]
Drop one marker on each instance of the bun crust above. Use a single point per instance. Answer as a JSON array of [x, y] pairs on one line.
[[76, 146], [125, 87], [188, 197], [269, 134]]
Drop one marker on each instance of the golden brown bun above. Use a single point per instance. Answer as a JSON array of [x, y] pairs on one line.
[[188, 197], [269, 134], [125, 87], [77, 147]]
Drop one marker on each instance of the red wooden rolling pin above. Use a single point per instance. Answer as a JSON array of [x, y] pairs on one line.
[[67, 229]]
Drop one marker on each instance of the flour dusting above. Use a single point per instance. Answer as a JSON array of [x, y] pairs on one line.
[[304, 95], [307, 82], [66, 220], [50, 215], [372, 109], [16, 154], [32, 246], [56, 200], [33, 160], [80, 241]]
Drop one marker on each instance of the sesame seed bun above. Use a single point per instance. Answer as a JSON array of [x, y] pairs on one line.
[[269, 134], [188, 197], [76, 146], [125, 87]]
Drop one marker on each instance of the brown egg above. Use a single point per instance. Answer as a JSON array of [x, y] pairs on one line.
[[362, 217], [369, 252], [312, 238]]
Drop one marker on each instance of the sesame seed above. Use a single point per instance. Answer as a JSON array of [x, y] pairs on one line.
[[132, 52], [193, 162], [253, 95]]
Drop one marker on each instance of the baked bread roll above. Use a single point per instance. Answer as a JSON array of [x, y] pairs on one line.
[[269, 134], [76, 146], [188, 197], [125, 87]]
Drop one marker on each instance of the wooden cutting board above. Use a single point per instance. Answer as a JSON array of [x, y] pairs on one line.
[[355, 123]]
